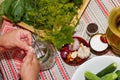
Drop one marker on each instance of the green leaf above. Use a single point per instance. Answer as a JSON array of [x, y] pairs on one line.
[[1, 10], [78, 2], [7, 7], [61, 37], [17, 10]]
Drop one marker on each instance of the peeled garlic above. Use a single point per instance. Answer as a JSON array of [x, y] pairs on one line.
[[83, 51], [76, 44], [74, 54]]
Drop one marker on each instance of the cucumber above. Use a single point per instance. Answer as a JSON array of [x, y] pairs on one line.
[[109, 69], [118, 73], [110, 76], [91, 76]]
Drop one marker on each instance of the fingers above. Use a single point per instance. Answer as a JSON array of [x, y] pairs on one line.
[[26, 36], [29, 55], [22, 45], [28, 58], [35, 60], [29, 40]]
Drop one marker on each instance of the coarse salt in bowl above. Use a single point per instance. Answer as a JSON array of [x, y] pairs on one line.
[[97, 45]]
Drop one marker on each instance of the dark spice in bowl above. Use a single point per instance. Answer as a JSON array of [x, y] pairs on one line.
[[92, 29]]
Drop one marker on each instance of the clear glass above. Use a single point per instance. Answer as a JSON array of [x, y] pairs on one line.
[[45, 53]]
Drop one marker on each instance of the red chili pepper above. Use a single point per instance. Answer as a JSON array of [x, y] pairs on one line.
[[103, 38]]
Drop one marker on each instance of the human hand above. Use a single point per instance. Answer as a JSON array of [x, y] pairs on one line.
[[17, 38], [30, 67]]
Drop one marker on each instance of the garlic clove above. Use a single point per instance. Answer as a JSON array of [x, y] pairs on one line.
[[83, 51], [76, 44], [74, 54]]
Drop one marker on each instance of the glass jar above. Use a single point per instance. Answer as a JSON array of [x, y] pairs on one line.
[[46, 54]]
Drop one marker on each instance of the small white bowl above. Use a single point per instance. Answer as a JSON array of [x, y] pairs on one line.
[[97, 46]]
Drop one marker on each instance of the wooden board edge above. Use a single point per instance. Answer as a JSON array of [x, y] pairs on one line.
[[80, 12], [23, 25]]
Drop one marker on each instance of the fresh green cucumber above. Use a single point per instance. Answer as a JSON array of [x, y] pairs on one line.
[[110, 76], [91, 76], [110, 68], [118, 73]]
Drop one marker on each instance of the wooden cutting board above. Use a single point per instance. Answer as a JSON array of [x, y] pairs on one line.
[[73, 22]]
